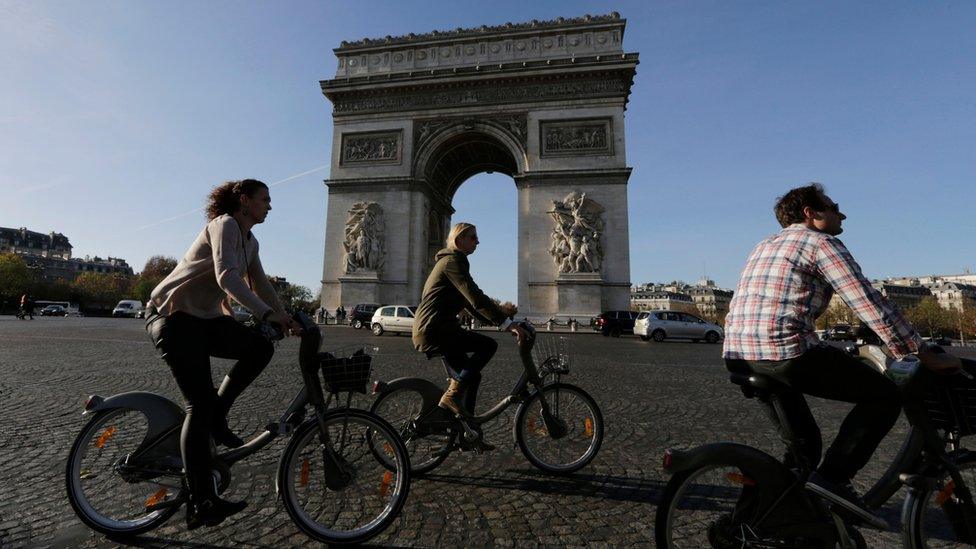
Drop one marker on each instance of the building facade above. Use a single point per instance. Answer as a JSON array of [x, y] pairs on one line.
[[704, 298], [50, 255], [23, 242]]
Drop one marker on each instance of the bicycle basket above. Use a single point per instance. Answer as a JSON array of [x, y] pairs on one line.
[[551, 354], [952, 406], [346, 374]]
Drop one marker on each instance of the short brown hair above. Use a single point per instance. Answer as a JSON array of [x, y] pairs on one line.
[[225, 198], [789, 207]]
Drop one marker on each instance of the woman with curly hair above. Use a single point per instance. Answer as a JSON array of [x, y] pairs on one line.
[[190, 320]]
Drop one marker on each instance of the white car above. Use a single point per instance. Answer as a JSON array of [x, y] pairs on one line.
[[393, 318], [661, 325], [129, 307]]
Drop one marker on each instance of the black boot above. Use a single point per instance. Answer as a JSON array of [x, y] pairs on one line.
[[211, 512], [220, 430]]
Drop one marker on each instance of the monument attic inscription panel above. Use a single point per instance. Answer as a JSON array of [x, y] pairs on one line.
[[414, 116]]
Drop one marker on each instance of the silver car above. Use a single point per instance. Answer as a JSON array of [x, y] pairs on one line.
[[661, 325], [393, 318]]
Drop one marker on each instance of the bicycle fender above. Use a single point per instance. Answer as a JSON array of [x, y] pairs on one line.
[[430, 391], [162, 413], [756, 464]]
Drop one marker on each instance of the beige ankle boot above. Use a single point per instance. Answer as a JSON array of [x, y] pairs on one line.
[[452, 396]]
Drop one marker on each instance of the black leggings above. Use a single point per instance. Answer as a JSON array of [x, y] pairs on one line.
[[186, 343], [467, 369], [831, 373]]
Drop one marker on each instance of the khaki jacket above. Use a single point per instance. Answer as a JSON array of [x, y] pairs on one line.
[[449, 290]]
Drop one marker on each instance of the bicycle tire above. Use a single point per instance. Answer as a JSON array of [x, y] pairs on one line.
[[398, 487], [889, 484], [919, 523], [79, 501], [526, 413], [419, 464]]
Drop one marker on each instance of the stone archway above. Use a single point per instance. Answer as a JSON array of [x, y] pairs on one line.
[[415, 116]]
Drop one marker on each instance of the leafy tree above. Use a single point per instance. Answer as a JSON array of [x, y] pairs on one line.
[[15, 279], [155, 270], [296, 297], [838, 313], [100, 290], [930, 318]]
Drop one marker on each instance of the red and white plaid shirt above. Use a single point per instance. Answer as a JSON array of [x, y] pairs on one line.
[[787, 283]]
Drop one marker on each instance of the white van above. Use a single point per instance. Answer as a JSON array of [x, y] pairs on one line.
[[129, 307]]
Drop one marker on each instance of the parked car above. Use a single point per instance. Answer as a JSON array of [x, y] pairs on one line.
[[661, 325], [362, 314], [939, 340], [129, 307], [393, 318], [841, 332], [54, 310], [240, 313], [614, 323]]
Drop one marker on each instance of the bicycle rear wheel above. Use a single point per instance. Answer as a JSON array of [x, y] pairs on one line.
[[934, 519], [402, 407], [576, 413], [372, 497], [105, 490]]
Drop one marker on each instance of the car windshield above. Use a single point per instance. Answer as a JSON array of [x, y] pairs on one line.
[[123, 306]]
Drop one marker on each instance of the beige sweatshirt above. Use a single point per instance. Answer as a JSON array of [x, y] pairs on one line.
[[213, 269]]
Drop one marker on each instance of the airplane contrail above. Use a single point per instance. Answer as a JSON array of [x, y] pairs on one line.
[[195, 210]]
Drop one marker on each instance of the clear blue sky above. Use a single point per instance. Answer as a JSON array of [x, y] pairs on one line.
[[118, 115]]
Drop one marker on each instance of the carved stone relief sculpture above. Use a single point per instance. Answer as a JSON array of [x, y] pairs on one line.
[[372, 148], [363, 242], [576, 137], [577, 234]]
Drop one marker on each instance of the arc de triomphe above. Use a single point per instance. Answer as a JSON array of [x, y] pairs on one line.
[[416, 115]]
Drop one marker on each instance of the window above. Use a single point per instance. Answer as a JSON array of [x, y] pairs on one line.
[[387, 311], [691, 318], [403, 312]]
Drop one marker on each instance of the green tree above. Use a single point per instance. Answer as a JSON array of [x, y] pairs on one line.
[[101, 290], [155, 270], [929, 318], [296, 297], [837, 313], [15, 279]]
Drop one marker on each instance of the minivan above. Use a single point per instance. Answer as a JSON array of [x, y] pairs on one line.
[[129, 307], [661, 325]]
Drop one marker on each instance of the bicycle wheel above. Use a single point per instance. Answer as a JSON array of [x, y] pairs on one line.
[[401, 407], [934, 519], [573, 409], [374, 494], [108, 495], [716, 505]]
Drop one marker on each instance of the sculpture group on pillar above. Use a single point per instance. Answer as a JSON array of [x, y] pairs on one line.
[[577, 234], [363, 243]]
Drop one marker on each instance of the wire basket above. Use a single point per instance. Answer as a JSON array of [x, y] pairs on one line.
[[551, 353], [952, 407], [346, 370]]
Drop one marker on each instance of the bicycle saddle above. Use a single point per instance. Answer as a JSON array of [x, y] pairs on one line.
[[751, 383]]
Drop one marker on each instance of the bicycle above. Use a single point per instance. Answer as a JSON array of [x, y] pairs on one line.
[[124, 474], [552, 417], [731, 495]]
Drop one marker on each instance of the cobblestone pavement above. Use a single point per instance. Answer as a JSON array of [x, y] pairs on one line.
[[653, 396]]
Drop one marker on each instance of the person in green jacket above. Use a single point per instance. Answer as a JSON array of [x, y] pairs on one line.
[[436, 329]]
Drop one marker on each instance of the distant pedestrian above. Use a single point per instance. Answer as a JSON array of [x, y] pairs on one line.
[[26, 307], [339, 314], [343, 310]]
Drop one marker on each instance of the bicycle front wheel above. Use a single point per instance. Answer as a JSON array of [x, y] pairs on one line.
[[575, 414], [373, 491], [936, 518], [109, 493], [428, 445]]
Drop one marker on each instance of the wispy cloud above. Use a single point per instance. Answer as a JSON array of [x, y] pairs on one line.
[[195, 210]]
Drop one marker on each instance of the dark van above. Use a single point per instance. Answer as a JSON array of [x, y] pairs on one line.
[[614, 323], [362, 314]]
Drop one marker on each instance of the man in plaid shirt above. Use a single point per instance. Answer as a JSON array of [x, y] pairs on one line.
[[786, 284]]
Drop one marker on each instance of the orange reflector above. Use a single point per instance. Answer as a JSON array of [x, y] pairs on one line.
[[303, 480], [946, 493], [385, 485], [531, 423], [740, 479], [388, 448], [160, 495], [588, 426], [103, 438]]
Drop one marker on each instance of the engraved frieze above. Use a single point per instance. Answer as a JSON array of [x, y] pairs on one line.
[[576, 137], [373, 147], [514, 125], [363, 243]]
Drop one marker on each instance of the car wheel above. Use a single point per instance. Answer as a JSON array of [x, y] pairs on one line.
[[605, 333], [658, 335], [615, 332], [377, 330], [357, 324], [695, 340], [644, 338], [711, 337]]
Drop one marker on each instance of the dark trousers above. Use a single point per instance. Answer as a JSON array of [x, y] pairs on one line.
[[186, 343], [466, 353], [831, 373]]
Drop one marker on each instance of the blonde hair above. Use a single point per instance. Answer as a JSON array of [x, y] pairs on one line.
[[456, 231]]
